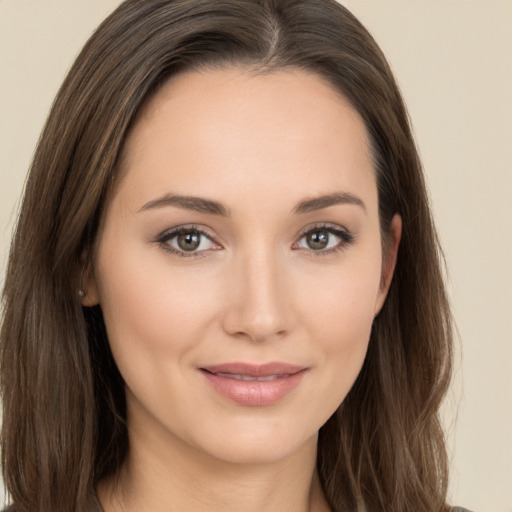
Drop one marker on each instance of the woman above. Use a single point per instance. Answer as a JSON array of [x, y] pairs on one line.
[[224, 291]]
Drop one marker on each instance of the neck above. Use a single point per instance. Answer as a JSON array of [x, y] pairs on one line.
[[169, 475]]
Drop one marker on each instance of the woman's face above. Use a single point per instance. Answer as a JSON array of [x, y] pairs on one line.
[[239, 267]]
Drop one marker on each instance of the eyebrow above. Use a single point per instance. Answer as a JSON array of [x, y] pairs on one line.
[[318, 203], [202, 205], [196, 204]]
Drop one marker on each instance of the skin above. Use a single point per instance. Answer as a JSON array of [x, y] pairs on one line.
[[258, 292]]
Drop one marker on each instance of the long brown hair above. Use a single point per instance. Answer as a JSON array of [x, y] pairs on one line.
[[64, 423]]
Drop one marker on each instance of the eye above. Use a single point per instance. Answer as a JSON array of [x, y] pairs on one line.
[[187, 241], [325, 239]]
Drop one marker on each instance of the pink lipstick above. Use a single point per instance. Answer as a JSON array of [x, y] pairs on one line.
[[254, 384]]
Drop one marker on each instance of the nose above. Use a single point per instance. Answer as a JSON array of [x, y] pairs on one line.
[[259, 306]]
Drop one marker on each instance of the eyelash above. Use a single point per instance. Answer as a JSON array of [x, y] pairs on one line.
[[346, 239], [165, 237]]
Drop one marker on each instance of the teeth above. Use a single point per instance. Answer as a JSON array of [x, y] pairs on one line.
[[248, 377]]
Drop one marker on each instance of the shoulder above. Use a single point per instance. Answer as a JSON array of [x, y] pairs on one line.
[[459, 509]]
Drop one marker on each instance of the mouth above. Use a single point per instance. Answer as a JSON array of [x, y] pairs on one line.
[[254, 385], [249, 377]]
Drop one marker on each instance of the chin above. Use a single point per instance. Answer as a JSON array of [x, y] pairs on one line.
[[259, 451], [256, 442]]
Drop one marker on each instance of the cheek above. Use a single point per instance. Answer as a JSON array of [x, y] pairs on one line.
[[341, 301], [152, 309], [339, 318], [345, 327], [348, 314]]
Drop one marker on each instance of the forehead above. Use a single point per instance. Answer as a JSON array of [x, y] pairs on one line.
[[230, 127]]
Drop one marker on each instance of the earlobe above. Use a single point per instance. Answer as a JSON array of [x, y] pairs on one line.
[[88, 291], [389, 262]]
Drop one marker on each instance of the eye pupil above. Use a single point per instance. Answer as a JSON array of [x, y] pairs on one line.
[[318, 239], [189, 241]]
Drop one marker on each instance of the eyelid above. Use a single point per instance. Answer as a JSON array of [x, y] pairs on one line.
[[346, 236], [170, 233]]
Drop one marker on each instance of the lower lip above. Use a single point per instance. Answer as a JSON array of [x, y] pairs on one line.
[[254, 392]]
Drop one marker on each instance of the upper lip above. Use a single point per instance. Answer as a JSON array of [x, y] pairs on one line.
[[255, 370]]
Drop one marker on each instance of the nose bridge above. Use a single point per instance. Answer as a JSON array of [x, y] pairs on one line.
[[259, 305]]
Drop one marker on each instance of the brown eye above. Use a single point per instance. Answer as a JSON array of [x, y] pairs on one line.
[[185, 241], [189, 241], [325, 239], [318, 240]]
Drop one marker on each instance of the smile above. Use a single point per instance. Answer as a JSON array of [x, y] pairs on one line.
[[254, 385], [249, 377]]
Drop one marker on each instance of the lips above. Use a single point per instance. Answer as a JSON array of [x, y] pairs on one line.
[[254, 385], [249, 377]]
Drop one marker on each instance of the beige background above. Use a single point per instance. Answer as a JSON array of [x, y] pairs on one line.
[[453, 59]]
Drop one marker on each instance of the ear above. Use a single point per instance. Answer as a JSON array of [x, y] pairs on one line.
[[90, 296], [389, 261]]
